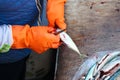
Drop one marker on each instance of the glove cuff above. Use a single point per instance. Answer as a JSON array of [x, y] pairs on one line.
[[20, 34]]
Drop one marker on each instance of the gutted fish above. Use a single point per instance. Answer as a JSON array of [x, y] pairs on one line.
[[100, 67]]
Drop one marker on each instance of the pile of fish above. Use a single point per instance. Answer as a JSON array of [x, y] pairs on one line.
[[103, 65]]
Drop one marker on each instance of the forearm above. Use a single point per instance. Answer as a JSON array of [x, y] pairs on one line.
[[36, 38], [6, 39], [10, 35]]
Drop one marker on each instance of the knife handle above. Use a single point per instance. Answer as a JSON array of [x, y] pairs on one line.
[[56, 33]]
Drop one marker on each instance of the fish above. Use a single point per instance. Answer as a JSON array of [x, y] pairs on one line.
[[69, 42], [83, 70], [109, 69], [92, 60], [94, 71], [90, 73], [105, 60]]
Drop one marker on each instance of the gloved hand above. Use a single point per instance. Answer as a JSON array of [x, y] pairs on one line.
[[55, 13], [37, 38]]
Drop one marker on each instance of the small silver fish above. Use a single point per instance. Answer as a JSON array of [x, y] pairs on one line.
[[83, 70], [69, 42], [104, 60], [95, 69], [90, 73], [109, 69]]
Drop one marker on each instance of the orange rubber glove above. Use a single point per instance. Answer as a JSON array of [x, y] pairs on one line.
[[55, 13], [37, 38]]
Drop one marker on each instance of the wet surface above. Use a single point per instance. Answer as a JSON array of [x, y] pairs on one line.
[[94, 26]]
